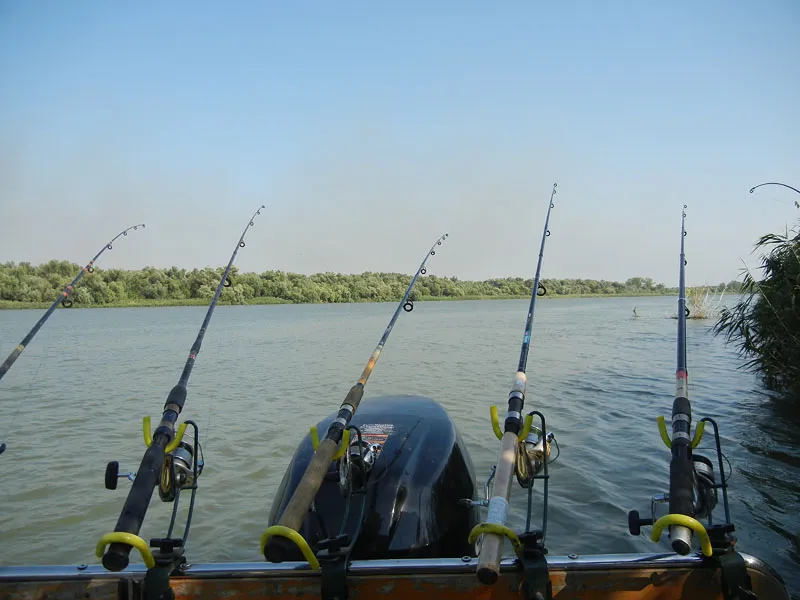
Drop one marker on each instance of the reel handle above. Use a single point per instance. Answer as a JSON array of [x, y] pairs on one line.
[[635, 522], [113, 474]]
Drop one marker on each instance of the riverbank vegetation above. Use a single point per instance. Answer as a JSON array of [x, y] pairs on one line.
[[22, 284], [765, 323]]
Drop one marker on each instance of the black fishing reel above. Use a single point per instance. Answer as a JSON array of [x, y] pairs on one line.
[[705, 487], [705, 495], [356, 464]]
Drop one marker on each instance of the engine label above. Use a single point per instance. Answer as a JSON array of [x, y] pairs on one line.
[[376, 434]]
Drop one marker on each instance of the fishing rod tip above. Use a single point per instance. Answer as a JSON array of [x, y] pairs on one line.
[[752, 189]]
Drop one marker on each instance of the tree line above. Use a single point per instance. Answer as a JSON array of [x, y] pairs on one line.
[[26, 283]]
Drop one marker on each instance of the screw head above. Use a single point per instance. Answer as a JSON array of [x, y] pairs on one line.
[[573, 556], [82, 567]]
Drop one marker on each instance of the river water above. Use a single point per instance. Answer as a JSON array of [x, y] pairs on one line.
[[75, 400]]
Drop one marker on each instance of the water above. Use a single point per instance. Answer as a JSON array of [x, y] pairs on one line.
[[76, 397]]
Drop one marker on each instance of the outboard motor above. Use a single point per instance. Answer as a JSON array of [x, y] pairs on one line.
[[396, 490]]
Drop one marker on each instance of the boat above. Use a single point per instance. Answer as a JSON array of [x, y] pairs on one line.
[[393, 509]]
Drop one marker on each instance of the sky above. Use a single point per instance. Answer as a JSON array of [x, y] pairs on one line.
[[369, 129]]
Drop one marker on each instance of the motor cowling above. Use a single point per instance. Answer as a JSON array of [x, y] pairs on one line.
[[418, 470]]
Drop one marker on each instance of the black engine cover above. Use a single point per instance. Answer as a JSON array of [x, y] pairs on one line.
[[411, 504]]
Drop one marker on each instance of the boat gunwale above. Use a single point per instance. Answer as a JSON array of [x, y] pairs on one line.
[[396, 567]]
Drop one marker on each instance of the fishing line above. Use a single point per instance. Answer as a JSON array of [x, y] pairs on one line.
[[19, 407]]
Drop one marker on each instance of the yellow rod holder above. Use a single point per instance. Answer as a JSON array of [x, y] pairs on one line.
[[685, 521], [482, 528], [293, 536], [495, 422], [148, 437], [126, 538], [698, 433], [527, 425], [343, 445], [662, 429]]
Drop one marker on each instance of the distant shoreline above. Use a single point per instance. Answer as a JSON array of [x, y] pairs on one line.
[[12, 305]]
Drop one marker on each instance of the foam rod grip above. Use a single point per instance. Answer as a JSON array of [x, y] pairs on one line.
[[303, 496]]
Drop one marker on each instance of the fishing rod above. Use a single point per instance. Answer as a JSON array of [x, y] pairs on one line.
[[307, 488], [693, 488], [168, 463], [680, 467], [515, 431], [63, 299], [753, 189], [796, 203]]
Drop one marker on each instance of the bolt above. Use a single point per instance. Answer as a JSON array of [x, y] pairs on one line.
[[573, 556], [82, 567], [466, 559]]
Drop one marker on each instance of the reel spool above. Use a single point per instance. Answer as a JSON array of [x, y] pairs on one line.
[[178, 472], [531, 455], [356, 463], [705, 491]]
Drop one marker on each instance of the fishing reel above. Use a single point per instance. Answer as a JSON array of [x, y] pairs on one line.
[[705, 495], [705, 487], [181, 469], [532, 453], [356, 464]]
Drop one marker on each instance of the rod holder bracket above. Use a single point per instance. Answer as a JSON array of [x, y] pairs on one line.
[[148, 437], [662, 429]]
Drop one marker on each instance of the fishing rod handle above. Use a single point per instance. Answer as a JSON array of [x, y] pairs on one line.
[[297, 508], [492, 544], [130, 520], [681, 470]]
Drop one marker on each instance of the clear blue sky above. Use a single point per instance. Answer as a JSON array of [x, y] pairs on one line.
[[369, 130]]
